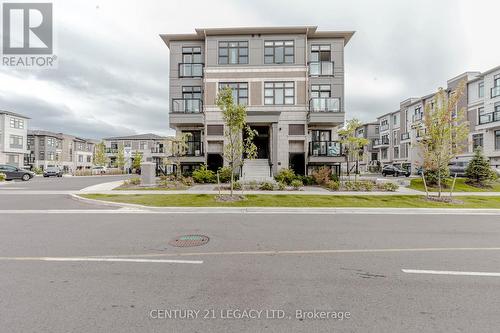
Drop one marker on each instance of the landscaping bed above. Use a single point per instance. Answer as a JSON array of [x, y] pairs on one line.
[[461, 185], [163, 183]]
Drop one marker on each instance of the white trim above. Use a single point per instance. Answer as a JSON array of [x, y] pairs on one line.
[[266, 69], [423, 271], [298, 78]]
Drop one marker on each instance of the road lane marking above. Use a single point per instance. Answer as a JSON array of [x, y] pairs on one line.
[[101, 259], [423, 271], [304, 252]]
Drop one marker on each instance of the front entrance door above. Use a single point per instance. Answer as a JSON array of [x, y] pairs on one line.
[[297, 163], [261, 141]]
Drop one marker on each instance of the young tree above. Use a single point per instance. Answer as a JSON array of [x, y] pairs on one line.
[[177, 147], [120, 158], [235, 147], [479, 170], [446, 132], [136, 164], [100, 154], [353, 145]]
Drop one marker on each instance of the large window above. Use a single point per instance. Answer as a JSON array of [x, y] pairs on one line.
[[396, 152], [480, 88], [191, 55], [320, 135], [16, 141], [320, 90], [279, 52], [191, 92], [191, 65], [16, 123], [239, 89], [233, 53], [320, 60], [477, 141], [279, 93], [497, 140]]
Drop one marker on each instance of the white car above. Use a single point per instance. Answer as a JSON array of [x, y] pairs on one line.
[[99, 170]]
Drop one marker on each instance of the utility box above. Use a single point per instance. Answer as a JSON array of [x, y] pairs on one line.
[[148, 174]]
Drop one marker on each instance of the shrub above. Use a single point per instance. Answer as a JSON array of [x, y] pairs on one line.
[[286, 176], [187, 181], [237, 186], [479, 170], [333, 185], [203, 175], [308, 180], [322, 175], [431, 176], [225, 174], [334, 177], [281, 186], [38, 171], [2, 177], [253, 185], [367, 185], [266, 186], [362, 185], [133, 181], [390, 187], [296, 184]]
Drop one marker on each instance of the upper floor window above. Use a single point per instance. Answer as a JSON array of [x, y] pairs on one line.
[[279, 93], [191, 55], [16, 141], [395, 119], [320, 90], [191, 65], [233, 53], [377, 130], [191, 92], [480, 88], [143, 145], [279, 52], [320, 62], [16, 123], [239, 89], [477, 141], [496, 80]]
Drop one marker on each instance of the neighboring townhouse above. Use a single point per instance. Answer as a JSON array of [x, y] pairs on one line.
[[401, 131], [68, 152], [290, 78], [151, 147], [370, 154], [13, 138]]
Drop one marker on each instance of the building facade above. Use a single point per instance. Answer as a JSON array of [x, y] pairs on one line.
[[291, 79], [68, 152], [13, 138], [370, 156], [400, 131], [151, 147]]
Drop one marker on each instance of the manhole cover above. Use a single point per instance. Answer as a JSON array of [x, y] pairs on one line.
[[189, 240]]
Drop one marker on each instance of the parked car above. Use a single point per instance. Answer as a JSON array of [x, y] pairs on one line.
[[11, 172], [395, 171], [99, 170], [458, 167], [52, 171]]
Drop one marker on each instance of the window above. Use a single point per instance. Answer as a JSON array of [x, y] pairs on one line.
[[143, 145], [50, 156], [417, 115], [279, 93], [42, 155], [395, 119], [279, 52], [240, 91], [477, 141], [320, 135], [80, 158], [215, 129], [296, 129], [320, 90], [89, 159], [395, 137], [377, 130], [385, 139], [320, 60], [16, 123], [16, 141], [191, 55], [406, 147], [114, 145], [41, 142], [51, 142], [191, 92], [396, 152], [497, 140], [480, 88], [383, 153], [496, 80], [233, 53], [127, 144]]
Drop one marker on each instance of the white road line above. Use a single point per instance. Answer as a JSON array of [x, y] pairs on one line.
[[419, 271], [97, 259]]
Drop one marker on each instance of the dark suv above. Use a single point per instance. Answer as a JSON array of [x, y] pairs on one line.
[[395, 171], [12, 172]]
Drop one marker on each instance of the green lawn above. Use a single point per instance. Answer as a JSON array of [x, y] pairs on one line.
[[460, 186], [270, 200]]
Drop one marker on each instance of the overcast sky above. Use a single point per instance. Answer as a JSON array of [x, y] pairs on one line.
[[112, 76]]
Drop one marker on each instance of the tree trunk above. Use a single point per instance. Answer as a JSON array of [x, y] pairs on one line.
[[439, 182], [425, 185], [232, 181]]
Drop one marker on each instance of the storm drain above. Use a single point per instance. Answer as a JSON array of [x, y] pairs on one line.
[[189, 241]]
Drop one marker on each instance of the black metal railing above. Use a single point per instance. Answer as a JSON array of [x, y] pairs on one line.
[[489, 117], [111, 150], [158, 150], [495, 91], [405, 136], [379, 142], [191, 70], [194, 148], [187, 105], [324, 104], [321, 68], [325, 148]]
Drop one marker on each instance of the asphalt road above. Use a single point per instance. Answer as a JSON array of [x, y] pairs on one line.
[[280, 262], [59, 184]]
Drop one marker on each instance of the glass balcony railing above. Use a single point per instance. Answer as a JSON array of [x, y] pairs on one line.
[[384, 127], [325, 148], [111, 150], [187, 105], [324, 104], [495, 91], [190, 70], [490, 117], [321, 68], [405, 136], [380, 142], [194, 148]]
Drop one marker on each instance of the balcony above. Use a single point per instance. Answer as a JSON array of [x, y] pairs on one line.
[[325, 111], [321, 68], [490, 117], [325, 148], [194, 148], [380, 142], [187, 105], [111, 150], [495, 91], [324, 104], [190, 70], [158, 150], [405, 136], [384, 127]]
